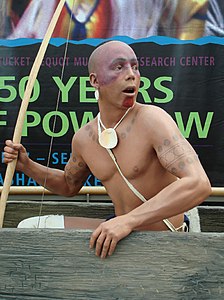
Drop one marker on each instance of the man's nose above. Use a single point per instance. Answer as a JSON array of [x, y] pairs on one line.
[[130, 73]]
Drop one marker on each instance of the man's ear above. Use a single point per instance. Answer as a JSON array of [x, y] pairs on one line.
[[93, 80]]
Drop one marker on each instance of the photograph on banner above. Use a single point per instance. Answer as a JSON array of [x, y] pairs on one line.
[[106, 18]]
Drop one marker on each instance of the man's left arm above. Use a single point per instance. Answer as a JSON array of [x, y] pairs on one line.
[[179, 158]]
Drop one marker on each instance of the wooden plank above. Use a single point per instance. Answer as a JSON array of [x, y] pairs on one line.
[[58, 264], [17, 212], [212, 218]]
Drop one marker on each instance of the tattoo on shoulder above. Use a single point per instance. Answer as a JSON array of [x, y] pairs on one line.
[[91, 132], [176, 154]]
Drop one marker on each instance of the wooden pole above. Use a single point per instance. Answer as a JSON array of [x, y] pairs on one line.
[[92, 190], [22, 113], [38, 190]]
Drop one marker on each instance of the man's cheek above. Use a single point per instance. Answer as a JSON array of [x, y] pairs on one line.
[[107, 79]]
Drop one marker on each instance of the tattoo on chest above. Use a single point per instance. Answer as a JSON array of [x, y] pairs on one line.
[[128, 128]]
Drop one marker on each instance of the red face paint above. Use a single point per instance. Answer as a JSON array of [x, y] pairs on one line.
[[128, 102]]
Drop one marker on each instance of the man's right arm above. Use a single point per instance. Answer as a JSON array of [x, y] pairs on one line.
[[66, 183]]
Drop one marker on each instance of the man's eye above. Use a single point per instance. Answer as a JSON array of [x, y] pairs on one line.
[[118, 67], [135, 67]]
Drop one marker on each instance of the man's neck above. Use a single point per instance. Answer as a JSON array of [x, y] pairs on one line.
[[111, 116]]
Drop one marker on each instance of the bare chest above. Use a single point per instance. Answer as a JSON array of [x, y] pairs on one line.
[[132, 155]]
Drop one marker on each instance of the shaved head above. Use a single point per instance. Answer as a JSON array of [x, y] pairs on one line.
[[97, 55]]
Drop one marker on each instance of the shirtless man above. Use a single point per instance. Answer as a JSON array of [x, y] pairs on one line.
[[150, 151]]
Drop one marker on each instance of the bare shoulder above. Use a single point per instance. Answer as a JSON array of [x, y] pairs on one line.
[[85, 134], [152, 111], [81, 139], [173, 151], [160, 129], [155, 119]]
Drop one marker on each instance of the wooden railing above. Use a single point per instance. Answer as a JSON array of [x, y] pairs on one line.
[[93, 190]]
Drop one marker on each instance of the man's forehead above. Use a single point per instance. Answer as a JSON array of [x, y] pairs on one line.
[[108, 52], [118, 53], [124, 60]]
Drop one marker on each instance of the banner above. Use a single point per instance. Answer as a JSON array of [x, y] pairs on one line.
[[181, 67]]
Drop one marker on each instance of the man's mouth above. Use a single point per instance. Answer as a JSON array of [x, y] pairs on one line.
[[129, 90]]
